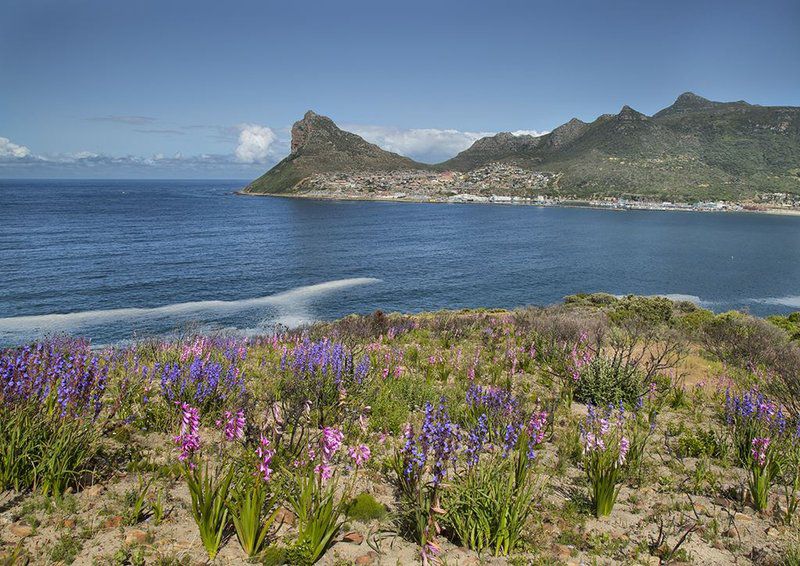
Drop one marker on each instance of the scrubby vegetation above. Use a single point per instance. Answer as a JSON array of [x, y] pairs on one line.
[[634, 430]]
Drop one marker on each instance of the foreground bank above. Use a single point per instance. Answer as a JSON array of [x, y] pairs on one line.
[[631, 430]]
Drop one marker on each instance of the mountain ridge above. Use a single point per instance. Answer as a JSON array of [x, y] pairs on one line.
[[693, 149]]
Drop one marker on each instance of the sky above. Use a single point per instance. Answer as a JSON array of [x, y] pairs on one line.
[[210, 89]]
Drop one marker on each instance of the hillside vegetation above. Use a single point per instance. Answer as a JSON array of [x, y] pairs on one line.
[[605, 430]]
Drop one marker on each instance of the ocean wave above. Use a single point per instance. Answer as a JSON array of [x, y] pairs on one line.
[[790, 301], [291, 307]]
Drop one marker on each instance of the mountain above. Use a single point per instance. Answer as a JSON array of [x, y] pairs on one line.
[[319, 146], [695, 149]]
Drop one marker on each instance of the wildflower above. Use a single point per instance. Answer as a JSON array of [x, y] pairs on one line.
[[234, 424], [360, 454], [331, 442], [759, 450], [324, 471], [624, 446], [476, 440], [189, 437], [265, 455]]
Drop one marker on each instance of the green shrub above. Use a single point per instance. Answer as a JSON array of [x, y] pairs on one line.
[[790, 323], [602, 383], [487, 508], [695, 444], [653, 310], [365, 508]]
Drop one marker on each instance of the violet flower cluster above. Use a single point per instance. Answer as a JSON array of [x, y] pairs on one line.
[[203, 381], [324, 358], [434, 448], [752, 409], [61, 371]]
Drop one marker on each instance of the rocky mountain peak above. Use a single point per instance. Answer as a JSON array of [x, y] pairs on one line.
[[311, 124], [691, 99], [568, 132], [628, 113]]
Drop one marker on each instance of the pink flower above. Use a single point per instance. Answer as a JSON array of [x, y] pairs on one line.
[[331, 442], [234, 425], [536, 427], [624, 446], [360, 454], [265, 458], [759, 451], [324, 471], [189, 437]]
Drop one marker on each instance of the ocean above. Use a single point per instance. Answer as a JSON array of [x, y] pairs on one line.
[[125, 259]]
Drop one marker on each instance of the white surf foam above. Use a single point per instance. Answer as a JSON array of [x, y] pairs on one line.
[[792, 301], [291, 306]]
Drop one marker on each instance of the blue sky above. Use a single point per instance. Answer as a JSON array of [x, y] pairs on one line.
[[100, 88]]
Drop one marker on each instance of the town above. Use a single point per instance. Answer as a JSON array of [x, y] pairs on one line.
[[501, 183]]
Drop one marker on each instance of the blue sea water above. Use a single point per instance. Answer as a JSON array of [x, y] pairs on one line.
[[114, 260]]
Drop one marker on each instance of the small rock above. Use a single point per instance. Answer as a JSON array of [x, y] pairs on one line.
[[285, 516], [742, 517], [366, 559], [68, 523], [20, 530], [773, 532], [561, 552], [722, 502], [136, 536], [112, 522], [354, 537], [653, 560], [93, 491]]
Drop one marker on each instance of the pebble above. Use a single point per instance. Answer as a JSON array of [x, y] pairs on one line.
[[561, 552], [135, 536], [20, 530], [353, 537], [366, 559], [285, 516], [112, 522]]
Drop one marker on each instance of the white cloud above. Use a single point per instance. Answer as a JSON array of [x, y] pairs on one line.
[[534, 133], [254, 143], [10, 150], [424, 144]]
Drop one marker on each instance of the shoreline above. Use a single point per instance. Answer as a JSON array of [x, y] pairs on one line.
[[517, 201]]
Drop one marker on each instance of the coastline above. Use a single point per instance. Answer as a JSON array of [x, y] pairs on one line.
[[517, 201]]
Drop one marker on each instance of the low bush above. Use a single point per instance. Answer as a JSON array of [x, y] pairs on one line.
[[702, 442], [602, 383], [364, 507]]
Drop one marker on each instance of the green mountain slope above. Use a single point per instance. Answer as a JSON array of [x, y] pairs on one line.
[[319, 146], [695, 149]]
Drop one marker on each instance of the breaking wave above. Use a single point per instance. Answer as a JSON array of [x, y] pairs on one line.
[[291, 307], [791, 301]]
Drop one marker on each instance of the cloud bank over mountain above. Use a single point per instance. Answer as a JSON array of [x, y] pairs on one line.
[[252, 146]]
